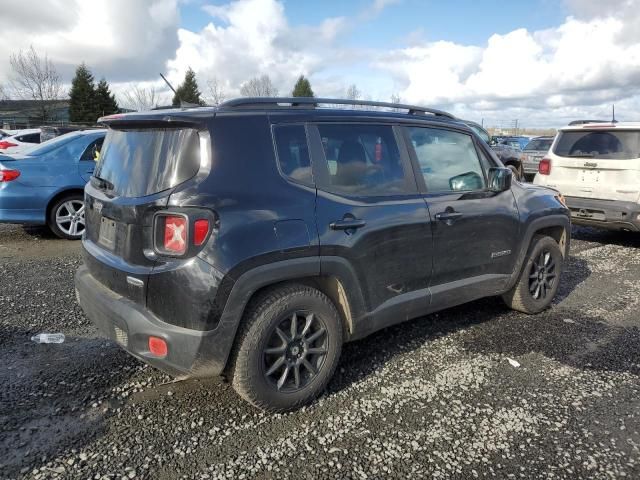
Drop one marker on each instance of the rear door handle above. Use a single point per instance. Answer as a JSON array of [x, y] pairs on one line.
[[448, 217], [348, 224]]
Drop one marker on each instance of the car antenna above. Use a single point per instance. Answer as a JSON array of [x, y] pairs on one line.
[[613, 115], [183, 104]]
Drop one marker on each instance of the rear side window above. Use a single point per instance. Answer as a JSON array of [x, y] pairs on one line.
[[144, 162], [293, 152], [539, 144], [448, 160], [361, 160], [601, 144]]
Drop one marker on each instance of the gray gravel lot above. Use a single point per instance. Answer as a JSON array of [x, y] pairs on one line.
[[436, 397]]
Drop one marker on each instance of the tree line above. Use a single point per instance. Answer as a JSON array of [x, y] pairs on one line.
[[35, 77]]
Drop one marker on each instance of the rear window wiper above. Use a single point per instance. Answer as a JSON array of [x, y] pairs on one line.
[[101, 183]]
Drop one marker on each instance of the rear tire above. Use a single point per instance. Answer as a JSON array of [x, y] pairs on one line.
[[66, 217], [539, 278], [288, 348]]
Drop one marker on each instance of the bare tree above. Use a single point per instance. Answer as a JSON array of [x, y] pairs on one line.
[[141, 99], [353, 93], [395, 98], [216, 92], [3, 93], [34, 77], [259, 87]]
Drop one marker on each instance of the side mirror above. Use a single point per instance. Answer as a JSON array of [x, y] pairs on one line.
[[500, 179]]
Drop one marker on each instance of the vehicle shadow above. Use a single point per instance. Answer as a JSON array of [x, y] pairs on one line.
[[55, 397], [502, 331], [606, 237]]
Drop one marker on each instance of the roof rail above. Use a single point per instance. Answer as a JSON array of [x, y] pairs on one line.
[[584, 122], [312, 102]]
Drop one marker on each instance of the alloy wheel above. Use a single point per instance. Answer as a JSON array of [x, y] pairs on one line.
[[295, 351], [542, 275], [70, 218]]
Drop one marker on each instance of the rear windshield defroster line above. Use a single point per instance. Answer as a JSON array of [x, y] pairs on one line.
[[146, 161]]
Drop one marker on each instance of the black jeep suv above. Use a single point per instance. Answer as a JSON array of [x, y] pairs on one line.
[[253, 239]]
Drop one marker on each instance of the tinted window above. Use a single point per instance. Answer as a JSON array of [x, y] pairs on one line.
[[143, 162], [600, 144], [92, 152], [293, 152], [539, 144], [448, 160], [361, 160], [30, 138]]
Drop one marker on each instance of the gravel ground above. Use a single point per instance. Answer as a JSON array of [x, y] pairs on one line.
[[477, 391]]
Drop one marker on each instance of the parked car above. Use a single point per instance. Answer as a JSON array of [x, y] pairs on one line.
[[509, 156], [49, 132], [255, 238], [596, 166], [535, 151], [516, 142], [45, 185], [20, 141]]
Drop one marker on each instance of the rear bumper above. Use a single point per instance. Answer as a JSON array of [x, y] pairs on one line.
[[191, 353], [609, 214]]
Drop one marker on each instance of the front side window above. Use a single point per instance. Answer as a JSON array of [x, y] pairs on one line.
[[361, 160], [293, 152], [448, 160], [601, 144]]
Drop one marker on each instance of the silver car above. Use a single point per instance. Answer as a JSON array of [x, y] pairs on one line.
[[535, 151]]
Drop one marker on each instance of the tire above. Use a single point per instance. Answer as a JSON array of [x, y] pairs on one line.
[[73, 226], [260, 347], [534, 294]]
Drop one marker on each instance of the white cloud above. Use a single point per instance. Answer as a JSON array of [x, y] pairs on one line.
[[121, 39]]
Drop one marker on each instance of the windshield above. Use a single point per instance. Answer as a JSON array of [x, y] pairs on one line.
[[539, 144], [51, 145], [142, 162], [600, 144]]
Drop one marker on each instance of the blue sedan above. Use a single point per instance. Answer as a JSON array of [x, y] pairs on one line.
[[44, 185]]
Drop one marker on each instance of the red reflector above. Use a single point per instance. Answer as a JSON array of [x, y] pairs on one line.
[[158, 347], [175, 234], [200, 231], [8, 175], [544, 167], [6, 144]]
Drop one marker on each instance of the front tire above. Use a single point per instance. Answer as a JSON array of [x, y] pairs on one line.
[[288, 348], [66, 217], [539, 278]]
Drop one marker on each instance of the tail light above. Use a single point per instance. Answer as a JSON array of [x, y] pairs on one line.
[[176, 234], [6, 144], [544, 167], [158, 346], [8, 175]]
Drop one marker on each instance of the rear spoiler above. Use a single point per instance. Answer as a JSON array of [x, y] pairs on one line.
[[156, 120]]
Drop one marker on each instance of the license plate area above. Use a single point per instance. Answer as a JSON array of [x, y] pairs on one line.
[[107, 235]]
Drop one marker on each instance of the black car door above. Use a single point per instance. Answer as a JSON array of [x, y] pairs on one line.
[[475, 231], [370, 214]]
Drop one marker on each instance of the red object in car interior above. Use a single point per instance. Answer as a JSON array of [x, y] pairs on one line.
[[544, 167], [175, 234], [158, 347]]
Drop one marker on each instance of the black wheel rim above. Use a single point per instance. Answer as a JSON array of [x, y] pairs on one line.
[[542, 276], [295, 351]]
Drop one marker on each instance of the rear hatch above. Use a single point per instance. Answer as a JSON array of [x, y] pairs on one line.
[[597, 162], [139, 168]]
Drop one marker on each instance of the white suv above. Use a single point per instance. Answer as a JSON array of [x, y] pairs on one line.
[[596, 166]]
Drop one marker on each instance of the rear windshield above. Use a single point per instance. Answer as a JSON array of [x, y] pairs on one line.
[[539, 144], [602, 144], [144, 162]]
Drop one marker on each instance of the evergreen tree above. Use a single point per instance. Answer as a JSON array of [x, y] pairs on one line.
[[188, 91], [105, 101], [82, 96], [302, 88]]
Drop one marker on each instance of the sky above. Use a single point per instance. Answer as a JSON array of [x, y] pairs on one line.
[[540, 62]]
